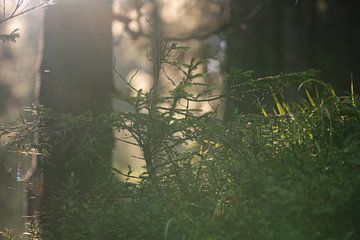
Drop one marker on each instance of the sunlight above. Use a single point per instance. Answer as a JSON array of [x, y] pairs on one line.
[[118, 28], [171, 10], [179, 119], [140, 80]]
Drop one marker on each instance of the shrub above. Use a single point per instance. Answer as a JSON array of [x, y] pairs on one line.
[[292, 174]]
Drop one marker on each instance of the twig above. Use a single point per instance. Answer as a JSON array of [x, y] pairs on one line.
[[128, 142], [126, 175], [15, 13]]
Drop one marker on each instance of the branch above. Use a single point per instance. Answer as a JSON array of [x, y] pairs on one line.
[[125, 175], [11, 37], [17, 11], [247, 18]]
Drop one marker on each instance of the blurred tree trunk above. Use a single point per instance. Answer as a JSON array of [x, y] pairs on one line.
[[6, 183], [76, 77], [272, 36], [338, 47], [255, 42], [320, 34]]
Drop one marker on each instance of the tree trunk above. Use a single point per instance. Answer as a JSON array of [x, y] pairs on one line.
[[254, 43], [76, 77]]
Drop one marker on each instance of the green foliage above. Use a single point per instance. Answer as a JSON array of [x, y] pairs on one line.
[[290, 174], [95, 215], [7, 234], [285, 176]]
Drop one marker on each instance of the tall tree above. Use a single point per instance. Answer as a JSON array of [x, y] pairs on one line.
[[254, 43], [336, 44], [274, 36], [76, 77]]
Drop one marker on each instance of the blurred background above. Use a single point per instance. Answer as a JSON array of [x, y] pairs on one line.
[[266, 36]]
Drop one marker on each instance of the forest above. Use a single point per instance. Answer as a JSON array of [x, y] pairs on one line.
[[179, 120]]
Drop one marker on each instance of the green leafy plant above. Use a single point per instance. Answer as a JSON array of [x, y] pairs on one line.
[[7, 234], [15, 9], [289, 172]]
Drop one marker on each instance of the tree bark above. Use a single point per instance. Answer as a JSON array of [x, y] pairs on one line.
[[76, 77], [255, 42]]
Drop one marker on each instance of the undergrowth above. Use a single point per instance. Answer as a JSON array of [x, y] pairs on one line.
[[289, 172]]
